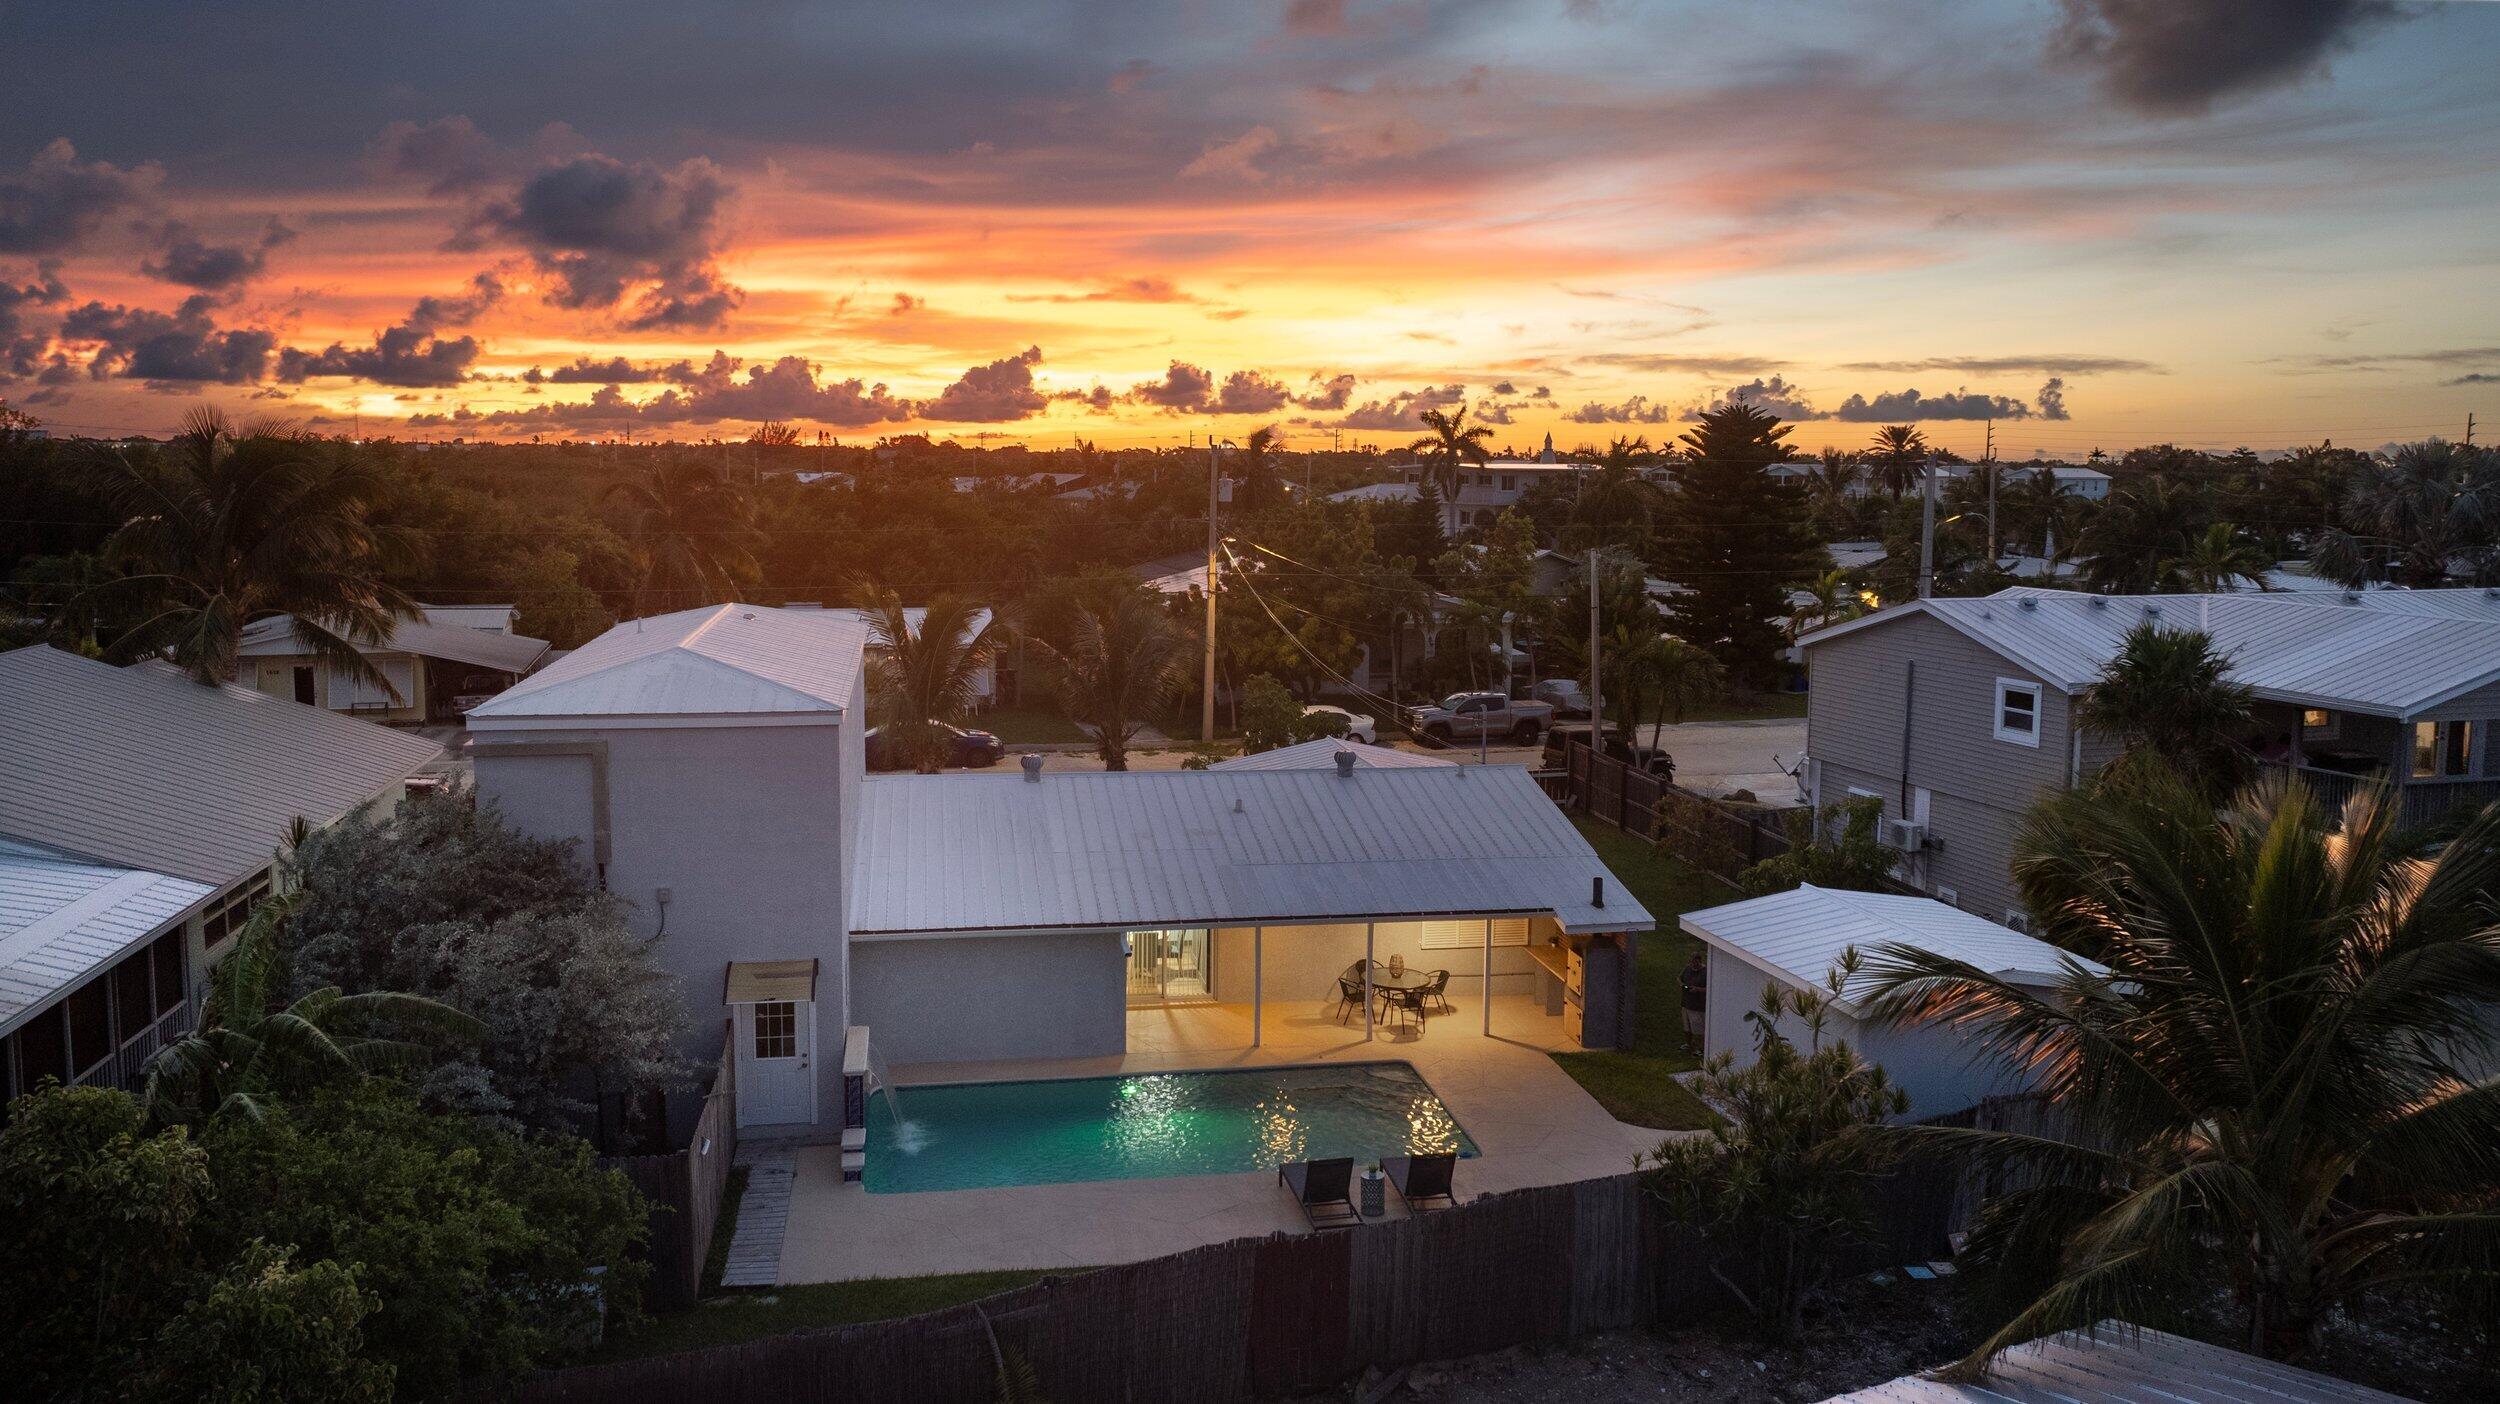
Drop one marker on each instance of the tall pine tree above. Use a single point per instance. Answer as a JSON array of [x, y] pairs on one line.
[[1735, 540]]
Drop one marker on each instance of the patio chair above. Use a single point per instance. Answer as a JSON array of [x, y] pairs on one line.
[[1324, 1189], [1438, 992], [1422, 1178], [1406, 1004], [1349, 995]]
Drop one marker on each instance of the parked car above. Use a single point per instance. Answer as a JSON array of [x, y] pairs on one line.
[[1357, 726], [1474, 716], [1653, 759], [973, 750], [1569, 700]]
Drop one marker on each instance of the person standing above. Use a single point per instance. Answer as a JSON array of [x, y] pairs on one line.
[[1696, 983]]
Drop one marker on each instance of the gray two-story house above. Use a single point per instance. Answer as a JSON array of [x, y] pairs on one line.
[[1959, 713]]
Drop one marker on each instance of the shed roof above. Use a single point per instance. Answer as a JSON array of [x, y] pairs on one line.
[[144, 768], [941, 853], [2116, 1363], [2385, 652], [274, 637], [720, 660], [63, 919], [1799, 935], [1322, 755]]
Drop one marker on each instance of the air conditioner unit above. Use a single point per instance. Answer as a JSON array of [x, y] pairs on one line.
[[1906, 835]]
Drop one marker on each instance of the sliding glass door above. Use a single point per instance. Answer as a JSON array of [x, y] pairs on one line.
[[1169, 966]]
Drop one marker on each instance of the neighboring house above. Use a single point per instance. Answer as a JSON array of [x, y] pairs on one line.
[[984, 679], [437, 667], [2090, 484], [1485, 490], [140, 814], [1957, 713], [708, 766], [1796, 940], [1322, 755], [2116, 1362]]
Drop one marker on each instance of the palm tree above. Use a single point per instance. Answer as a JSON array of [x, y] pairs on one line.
[[1830, 598], [2432, 508], [1685, 676], [2166, 694], [2218, 558], [1614, 506], [1899, 452], [2136, 535], [1452, 443], [250, 1050], [2034, 507], [230, 526], [2276, 1069], [1121, 662], [927, 677], [693, 534], [1254, 465]]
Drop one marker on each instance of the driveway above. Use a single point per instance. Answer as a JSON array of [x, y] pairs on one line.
[[1718, 758]]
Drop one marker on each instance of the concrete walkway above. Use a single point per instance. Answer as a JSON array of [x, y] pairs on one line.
[[1532, 1123], [763, 1219]]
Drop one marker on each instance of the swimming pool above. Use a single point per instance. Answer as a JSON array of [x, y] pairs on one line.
[[980, 1134]]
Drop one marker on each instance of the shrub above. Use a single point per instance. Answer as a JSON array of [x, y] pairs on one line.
[[1839, 845], [1271, 718]]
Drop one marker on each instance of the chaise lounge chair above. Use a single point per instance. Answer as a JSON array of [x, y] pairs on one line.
[[1422, 1177], [1324, 1189]]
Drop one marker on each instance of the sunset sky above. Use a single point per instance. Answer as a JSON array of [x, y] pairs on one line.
[[2101, 222]]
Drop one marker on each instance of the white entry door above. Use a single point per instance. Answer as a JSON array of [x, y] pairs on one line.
[[776, 1062]]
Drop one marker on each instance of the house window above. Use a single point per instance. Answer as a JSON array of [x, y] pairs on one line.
[[2018, 712], [777, 1029], [1510, 482], [2442, 749], [227, 914], [2319, 724], [1951, 897], [2458, 758], [1469, 935]]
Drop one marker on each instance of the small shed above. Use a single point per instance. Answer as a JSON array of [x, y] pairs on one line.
[[2117, 1363], [1796, 939]]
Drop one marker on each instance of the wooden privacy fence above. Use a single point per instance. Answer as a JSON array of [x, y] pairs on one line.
[[685, 1187], [1262, 1317], [1717, 837]]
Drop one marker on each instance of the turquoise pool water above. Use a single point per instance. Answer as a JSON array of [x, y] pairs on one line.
[[978, 1134]]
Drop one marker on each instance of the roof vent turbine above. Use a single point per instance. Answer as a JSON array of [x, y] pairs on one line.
[[1032, 769], [1345, 765]]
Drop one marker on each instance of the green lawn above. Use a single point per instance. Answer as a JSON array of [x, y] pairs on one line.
[[728, 1318], [1028, 726], [1749, 706], [1638, 1086]]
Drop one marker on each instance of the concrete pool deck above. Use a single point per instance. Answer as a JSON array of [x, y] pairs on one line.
[[1531, 1122]]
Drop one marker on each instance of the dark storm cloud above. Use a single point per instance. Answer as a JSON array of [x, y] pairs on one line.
[[1773, 395], [182, 346], [2180, 57], [1636, 410], [997, 393], [1333, 393], [1188, 389], [1184, 387], [183, 257], [606, 230], [21, 345], [59, 200], [616, 370], [1910, 406], [2050, 364], [450, 155], [413, 352], [791, 388], [1403, 410]]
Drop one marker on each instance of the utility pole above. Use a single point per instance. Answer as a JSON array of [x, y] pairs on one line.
[[2469, 428], [1988, 465], [1597, 687], [1206, 712], [1926, 533]]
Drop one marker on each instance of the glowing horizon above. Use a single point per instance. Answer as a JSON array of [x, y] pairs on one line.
[[1586, 220]]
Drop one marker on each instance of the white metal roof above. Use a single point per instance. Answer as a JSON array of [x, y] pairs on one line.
[[62, 920], [274, 637], [914, 617], [2384, 652], [1799, 936], [142, 767], [1322, 755], [2116, 1363], [721, 660], [1191, 848]]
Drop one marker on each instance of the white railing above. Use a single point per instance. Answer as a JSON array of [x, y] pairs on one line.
[[122, 1067]]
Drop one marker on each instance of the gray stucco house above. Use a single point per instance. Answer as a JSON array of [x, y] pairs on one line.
[[1958, 713], [708, 766]]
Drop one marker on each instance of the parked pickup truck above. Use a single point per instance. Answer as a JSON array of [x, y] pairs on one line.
[[1475, 716]]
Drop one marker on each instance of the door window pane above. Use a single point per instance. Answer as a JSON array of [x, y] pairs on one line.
[[2460, 754], [2426, 748], [777, 1030]]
